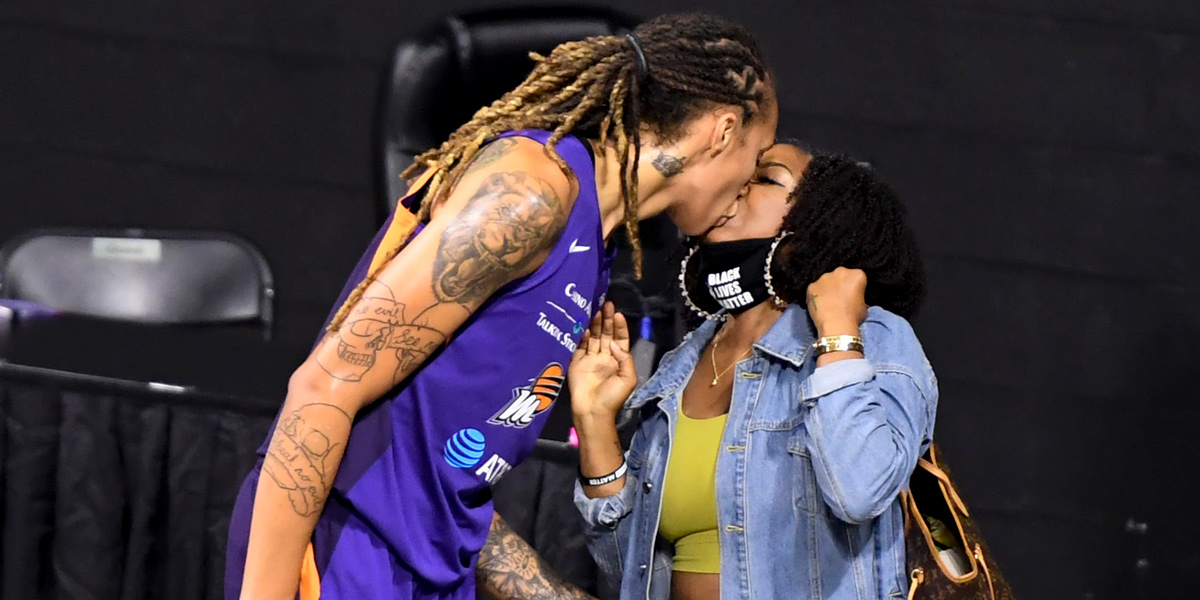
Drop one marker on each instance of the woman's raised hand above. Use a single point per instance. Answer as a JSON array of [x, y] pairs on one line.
[[837, 301], [602, 376]]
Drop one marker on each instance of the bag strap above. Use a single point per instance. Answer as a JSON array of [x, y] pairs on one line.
[[913, 518], [918, 577], [930, 466], [983, 563], [944, 478]]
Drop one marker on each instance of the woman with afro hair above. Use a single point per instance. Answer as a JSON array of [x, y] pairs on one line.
[[775, 440]]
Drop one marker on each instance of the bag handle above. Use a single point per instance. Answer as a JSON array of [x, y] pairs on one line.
[[913, 513], [983, 563], [930, 466], [918, 577], [941, 475]]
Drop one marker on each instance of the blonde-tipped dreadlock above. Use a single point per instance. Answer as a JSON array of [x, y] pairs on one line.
[[593, 86]]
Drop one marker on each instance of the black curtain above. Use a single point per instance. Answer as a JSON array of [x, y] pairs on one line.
[[117, 490], [112, 490]]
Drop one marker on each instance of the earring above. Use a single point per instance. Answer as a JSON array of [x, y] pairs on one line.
[[683, 287], [779, 301]]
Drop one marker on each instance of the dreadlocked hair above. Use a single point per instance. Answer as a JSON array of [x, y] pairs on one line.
[[844, 215], [592, 88]]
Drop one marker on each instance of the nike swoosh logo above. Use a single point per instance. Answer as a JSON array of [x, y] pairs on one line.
[[575, 247]]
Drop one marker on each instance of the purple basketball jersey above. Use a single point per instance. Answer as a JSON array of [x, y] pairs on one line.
[[411, 502]]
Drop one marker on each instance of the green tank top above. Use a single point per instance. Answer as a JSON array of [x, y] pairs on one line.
[[689, 505]]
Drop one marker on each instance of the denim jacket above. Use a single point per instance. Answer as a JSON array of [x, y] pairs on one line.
[[811, 465]]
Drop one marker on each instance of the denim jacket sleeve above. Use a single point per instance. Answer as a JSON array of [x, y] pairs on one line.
[[870, 419], [606, 526]]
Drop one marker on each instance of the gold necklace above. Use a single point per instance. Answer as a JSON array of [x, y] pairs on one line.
[[717, 376]]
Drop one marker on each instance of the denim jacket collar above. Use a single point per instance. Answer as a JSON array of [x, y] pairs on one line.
[[789, 340]]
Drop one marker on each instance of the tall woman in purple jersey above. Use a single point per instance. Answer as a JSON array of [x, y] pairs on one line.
[[450, 341]]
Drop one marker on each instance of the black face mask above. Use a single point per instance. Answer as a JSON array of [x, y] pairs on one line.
[[734, 273]]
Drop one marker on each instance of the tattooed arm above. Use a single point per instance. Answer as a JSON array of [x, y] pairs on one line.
[[496, 226], [510, 569]]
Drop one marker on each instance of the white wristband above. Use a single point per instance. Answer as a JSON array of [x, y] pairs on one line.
[[607, 479]]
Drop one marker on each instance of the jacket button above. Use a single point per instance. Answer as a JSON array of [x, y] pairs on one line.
[[643, 567], [646, 487]]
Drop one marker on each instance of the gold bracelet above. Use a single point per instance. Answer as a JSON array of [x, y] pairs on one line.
[[838, 343]]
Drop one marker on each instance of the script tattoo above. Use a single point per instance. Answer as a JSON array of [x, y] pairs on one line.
[[668, 165], [509, 568], [379, 324], [296, 461], [491, 153], [511, 219]]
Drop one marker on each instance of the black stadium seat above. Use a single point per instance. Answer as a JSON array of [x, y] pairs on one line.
[[165, 278], [437, 80], [189, 308]]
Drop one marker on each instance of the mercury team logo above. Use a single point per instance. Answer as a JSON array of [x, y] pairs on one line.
[[531, 400]]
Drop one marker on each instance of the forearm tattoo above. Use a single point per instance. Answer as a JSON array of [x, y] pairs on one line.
[[509, 221], [510, 569], [298, 458], [380, 324]]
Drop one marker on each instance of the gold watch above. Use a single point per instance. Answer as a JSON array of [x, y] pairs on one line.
[[838, 343]]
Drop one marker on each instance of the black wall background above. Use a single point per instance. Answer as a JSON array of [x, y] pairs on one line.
[[1049, 151]]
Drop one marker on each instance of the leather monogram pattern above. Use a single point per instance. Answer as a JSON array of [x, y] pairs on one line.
[[928, 579]]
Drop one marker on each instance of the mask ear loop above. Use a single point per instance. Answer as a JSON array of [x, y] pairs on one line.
[[684, 291], [779, 301]]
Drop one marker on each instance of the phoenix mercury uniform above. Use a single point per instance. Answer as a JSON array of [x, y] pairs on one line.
[[411, 505]]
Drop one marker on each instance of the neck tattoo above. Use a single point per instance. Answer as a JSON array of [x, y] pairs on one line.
[[669, 166]]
